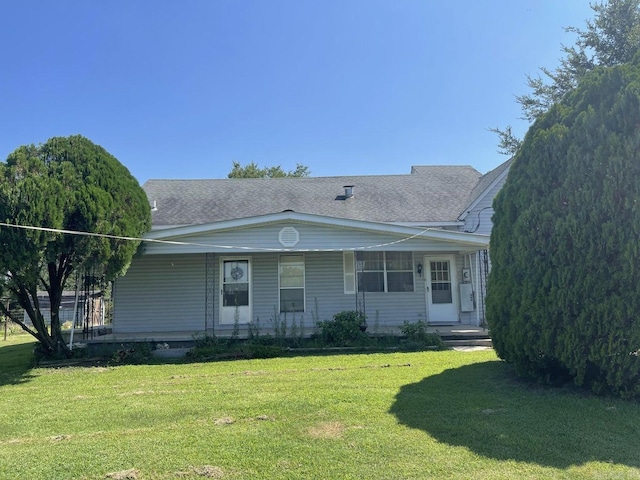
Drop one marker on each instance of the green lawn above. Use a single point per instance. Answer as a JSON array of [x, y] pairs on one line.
[[378, 416]]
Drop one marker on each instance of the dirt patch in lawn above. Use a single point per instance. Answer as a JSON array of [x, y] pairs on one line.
[[131, 474], [206, 471], [328, 430]]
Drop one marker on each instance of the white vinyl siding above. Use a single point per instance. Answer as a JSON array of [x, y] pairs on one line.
[[161, 293], [478, 220], [312, 237], [265, 288]]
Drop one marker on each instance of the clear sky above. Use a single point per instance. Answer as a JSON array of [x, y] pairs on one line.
[[182, 88]]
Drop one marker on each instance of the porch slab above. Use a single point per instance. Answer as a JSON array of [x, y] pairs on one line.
[[153, 337], [471, 348], [457, 331]]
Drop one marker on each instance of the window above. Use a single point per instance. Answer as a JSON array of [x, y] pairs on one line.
[[384, 271], [291, 279], [370, 268], [440, 282], [399, 271], [235, 283]]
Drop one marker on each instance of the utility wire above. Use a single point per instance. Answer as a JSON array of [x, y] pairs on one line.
[[207, 245]]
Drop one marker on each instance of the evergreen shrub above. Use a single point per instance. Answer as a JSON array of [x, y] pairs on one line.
[[346, 329], [563, 301], [418, 337]]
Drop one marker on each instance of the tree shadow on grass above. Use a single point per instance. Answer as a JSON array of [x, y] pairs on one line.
[[16, 361], [483, 408]]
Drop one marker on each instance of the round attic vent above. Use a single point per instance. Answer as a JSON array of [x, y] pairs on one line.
[[289, 237]]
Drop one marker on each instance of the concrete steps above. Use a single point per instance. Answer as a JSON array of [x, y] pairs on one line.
[[468, 342], [466, 338]]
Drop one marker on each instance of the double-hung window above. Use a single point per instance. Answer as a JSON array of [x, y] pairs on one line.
[[399, 268], [291, 280], [370, 270], [384, 271]]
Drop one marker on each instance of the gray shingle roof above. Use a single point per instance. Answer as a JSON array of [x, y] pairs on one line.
[[428, 194]]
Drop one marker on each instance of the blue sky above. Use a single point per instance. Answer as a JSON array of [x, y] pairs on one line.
[[181, 89]]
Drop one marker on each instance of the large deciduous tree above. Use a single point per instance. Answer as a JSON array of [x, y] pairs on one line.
[[252, 170], [68, 183], [611, 38], [564, 291]]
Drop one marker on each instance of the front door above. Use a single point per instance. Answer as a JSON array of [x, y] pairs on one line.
[[235, 302], [441, 285]]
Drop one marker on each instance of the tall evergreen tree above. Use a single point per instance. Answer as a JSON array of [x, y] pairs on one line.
[[564, 290], [68, 183]]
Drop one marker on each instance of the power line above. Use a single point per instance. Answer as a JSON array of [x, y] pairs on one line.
[[206, 245]]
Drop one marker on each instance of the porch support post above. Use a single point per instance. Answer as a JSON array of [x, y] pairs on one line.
[[209, 294], [75, 313], [478, 293]]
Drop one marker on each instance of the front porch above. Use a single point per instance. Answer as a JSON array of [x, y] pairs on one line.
[[454, 335]]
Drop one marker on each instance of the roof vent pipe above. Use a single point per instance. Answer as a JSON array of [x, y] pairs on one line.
[[154, 207], [348, 191]]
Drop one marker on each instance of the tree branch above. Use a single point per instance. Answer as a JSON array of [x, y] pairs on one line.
[[7, 313]]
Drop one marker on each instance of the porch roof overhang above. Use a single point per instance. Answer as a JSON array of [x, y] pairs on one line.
[[181, 235]]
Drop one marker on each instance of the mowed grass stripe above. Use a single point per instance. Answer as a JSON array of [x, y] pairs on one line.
[[378, 416]]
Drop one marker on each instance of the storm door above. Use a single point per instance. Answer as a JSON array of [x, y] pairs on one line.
[[441, 288], [235, 292]]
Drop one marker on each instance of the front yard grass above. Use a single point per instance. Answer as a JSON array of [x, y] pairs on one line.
[[362, 416]]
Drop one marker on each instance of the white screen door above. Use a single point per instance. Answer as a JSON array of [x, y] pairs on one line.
[[235, 301], [441, 287]]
